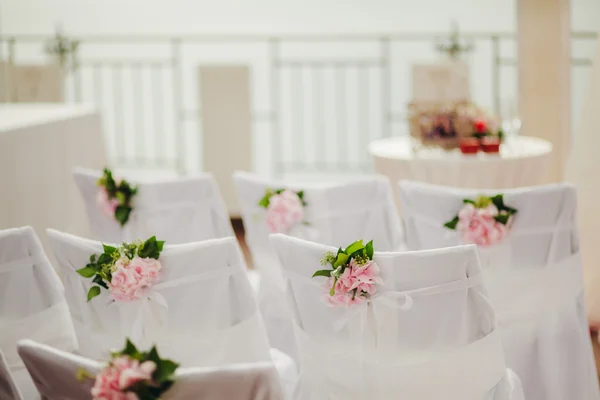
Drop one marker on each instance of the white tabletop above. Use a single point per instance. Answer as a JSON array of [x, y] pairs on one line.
[[22, 115], [406, 148], [522, 162]]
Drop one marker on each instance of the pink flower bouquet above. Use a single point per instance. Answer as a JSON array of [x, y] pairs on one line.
[[127, 271], [285, 209], [133, 375], [485, 221], [353, 276], [115, 197]]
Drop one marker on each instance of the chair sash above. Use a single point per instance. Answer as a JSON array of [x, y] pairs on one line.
[[146, 322], [366, 369], [525, 293]]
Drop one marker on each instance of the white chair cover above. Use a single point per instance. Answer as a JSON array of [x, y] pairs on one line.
[[429, 332], [32, 302], [336, 215], [8, 388], [534, 278], [178, 211], [55, 371], [202, 313]]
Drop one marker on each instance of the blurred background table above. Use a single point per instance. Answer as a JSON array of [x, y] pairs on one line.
[[39, 146], [522, 161]]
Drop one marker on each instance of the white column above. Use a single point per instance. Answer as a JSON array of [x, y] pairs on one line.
[[226, 126], [583, 170], [544, 53]]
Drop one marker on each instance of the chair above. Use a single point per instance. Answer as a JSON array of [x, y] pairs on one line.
[[209, 315], [534, 278], [32, 302], [335, 213], [179, 211], [55, 372], [8, 388], [428, 333]]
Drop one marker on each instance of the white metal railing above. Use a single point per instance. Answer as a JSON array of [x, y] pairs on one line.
[[318, 99]]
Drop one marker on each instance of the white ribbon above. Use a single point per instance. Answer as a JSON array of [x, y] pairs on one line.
[[139, 317], [148, 315], [374, 371]]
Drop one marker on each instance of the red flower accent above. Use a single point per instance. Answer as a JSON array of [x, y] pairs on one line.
[[480, 125]]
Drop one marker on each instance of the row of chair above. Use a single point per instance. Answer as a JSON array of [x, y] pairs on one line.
[[533, 279]]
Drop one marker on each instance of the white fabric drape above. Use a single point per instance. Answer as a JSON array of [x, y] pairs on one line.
[[428, 333], [55, 373], [32, 302], [582, 170], [8, 388], [534, 278], [337, 214], [178, 211]]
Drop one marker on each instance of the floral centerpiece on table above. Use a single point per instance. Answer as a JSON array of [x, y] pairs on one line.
[[115, 197], [445, 124], [353, 274], [132, 375], [285, 209], [483, 127], [127, 271], [484, 221]]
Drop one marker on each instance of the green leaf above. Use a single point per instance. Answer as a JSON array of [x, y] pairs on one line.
[[340, 260], [94, 291], [452, 224], [122, 214], [130, 350], [87, 272], [151, 248], [369, 249], [502, 218], [105, 259], [264, 202], [121, 197], [109, 249], [300, 194], [164, 371], [358, 245], [498, 201], [322, 272], [468, 201], [98, 281]]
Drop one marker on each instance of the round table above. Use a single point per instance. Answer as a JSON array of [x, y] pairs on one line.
[[522, 161]]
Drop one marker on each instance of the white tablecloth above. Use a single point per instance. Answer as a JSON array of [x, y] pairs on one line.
[[522, 162], [39, 145]]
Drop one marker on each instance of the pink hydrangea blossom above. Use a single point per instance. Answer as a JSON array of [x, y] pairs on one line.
[[478, 226], [285, 210], [362, 277], [123, 372], [132, 278], [106, 204]]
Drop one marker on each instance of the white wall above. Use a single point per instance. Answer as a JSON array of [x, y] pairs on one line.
[[281, 16]]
